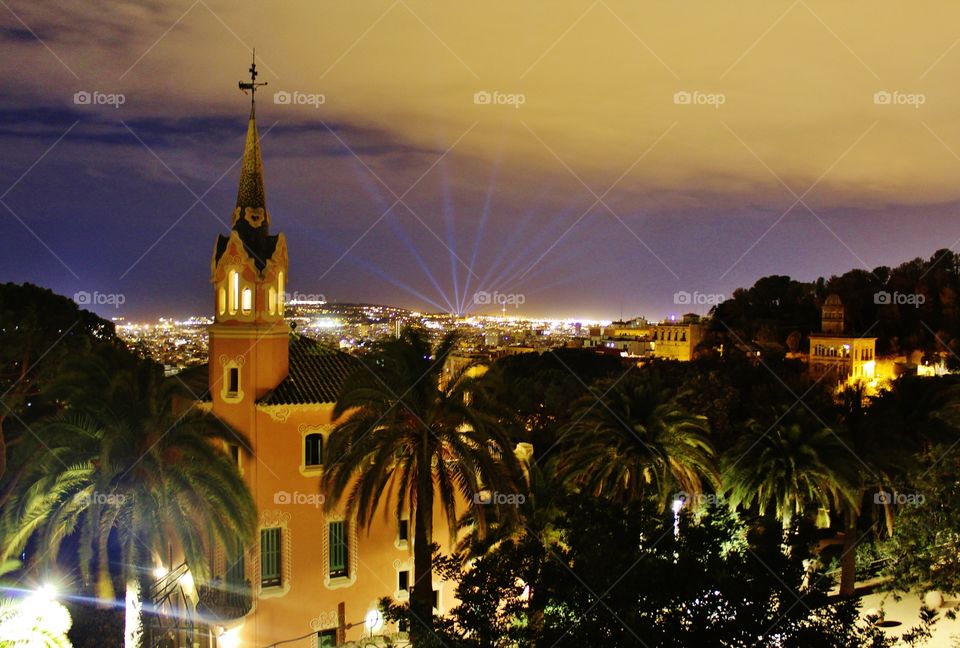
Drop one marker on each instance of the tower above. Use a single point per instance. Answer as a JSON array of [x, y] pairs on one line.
[[249, 339], [831, 315]]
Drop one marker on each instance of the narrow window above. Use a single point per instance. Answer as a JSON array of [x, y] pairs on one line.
[[246, 304], [222, 301], [403, 581], [327, 639], [235, 571], [235, 454], [337, 537], [234, 279], [313, 450], [270, 557], [272, 300], [233, 381], [403, 531], [281, 297]]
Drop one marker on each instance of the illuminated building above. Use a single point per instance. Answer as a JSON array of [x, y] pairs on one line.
[[677, 341], [310, 572], [832, 351]]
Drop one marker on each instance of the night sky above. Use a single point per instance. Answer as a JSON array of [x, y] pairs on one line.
[[593, 190]]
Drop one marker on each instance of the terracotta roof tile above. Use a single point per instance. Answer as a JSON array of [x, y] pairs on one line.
[[316, 374]]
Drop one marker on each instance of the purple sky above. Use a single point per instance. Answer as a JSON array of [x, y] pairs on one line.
[[129, 200]]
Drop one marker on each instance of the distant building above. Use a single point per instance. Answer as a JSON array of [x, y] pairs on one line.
[[638, 338], [677, 341], [848, 358]]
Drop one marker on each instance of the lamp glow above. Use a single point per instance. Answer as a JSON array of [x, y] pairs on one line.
[[373, 620]]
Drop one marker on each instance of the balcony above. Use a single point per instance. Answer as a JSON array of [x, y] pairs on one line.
[[224, 601]]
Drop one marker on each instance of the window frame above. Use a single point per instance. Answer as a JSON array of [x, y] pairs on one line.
[[275, 578], [342, 570], [318, 438]]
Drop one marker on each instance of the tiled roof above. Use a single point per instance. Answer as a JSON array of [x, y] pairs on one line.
[[196, 381], [316, 374]]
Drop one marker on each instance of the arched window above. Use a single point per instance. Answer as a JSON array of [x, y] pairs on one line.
[[246, 303], [313, 450], [234, 280], [272, 300], [280, 294], [222, 301]]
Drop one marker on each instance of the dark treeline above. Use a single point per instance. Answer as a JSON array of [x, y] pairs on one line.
[[912, 307]]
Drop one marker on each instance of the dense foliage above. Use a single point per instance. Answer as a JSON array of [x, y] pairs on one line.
[[926, 320]]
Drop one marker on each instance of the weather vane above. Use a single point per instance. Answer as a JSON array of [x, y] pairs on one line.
[[253, 85]]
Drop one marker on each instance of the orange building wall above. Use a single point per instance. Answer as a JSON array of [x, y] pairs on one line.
[[287, 495]]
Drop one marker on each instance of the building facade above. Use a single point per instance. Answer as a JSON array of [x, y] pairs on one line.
[[312, 574], [836, 356]]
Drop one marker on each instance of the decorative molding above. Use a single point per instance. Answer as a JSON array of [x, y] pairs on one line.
[[231, 363], [274, 518], [324, 621], [340, 582], [255, 216], [279, 413], [304, 429]]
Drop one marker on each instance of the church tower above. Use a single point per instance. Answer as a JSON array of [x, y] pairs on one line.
[[249, 340]]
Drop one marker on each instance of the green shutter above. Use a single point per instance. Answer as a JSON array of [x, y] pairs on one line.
[[338, 548], [270, 557]]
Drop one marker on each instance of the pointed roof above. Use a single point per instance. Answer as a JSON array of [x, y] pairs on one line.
[[251, 193], [251, 220]]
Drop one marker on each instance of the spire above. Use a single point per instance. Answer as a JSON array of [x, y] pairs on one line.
[[250, 218], [250, 192]]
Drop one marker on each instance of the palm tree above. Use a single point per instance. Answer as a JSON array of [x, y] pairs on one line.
[[788, 468], [126, 472], [636, 440], [415, 435]]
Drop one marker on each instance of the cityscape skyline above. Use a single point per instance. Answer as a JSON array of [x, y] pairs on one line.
[[669, 171]]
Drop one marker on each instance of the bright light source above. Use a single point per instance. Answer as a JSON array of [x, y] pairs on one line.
[[187, 581], [160, 572], [43, 595], [228, 639], [677, 505], [373, 620]]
